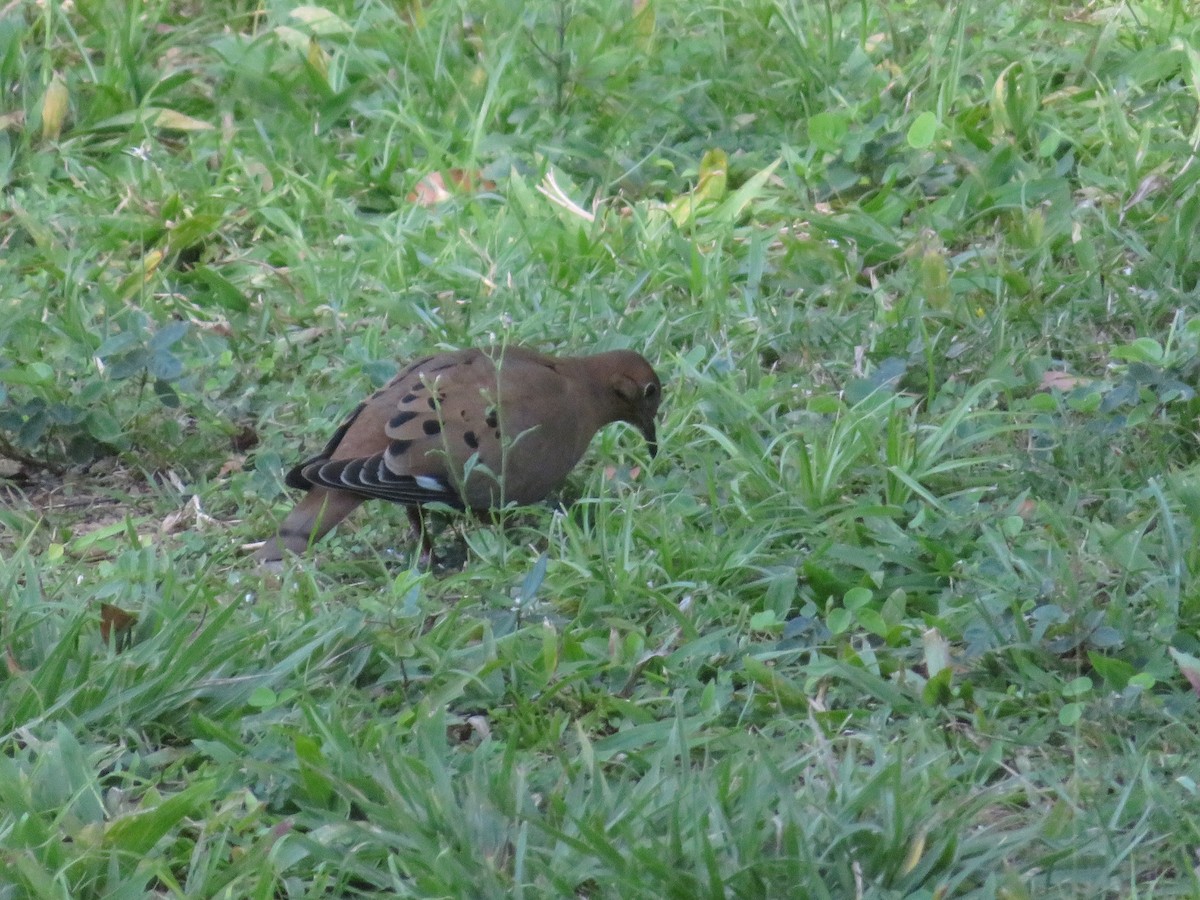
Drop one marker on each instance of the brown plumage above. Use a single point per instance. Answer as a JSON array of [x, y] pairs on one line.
[[471, 429]]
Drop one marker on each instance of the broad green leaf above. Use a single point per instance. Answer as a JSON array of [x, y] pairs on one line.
[[1144, 350], [857, 597], [30, 373], [734, 205], [789, 694], [827, 130], [922, 131], [137, 833]]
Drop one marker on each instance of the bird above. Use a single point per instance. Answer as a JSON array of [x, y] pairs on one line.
[[475, 429]]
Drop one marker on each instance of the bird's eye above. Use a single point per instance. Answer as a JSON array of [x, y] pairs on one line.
[[650, 391]]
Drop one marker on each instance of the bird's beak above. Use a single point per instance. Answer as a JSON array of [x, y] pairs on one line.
[[651, 436]]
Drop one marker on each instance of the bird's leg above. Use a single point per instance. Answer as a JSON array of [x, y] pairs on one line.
[[421, 533]]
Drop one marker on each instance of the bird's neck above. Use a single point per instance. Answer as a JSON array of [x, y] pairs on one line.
[[593, 375]]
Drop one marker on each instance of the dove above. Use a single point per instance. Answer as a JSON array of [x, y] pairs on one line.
[[471, 430]]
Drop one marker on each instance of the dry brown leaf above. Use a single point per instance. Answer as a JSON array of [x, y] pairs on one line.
[[1189, 667], [10, 662], [117, 624], [305, 335], [437, 187], [191, 514], [245, 437], [611, 473], [1151, 184], [430, 191], [471, 181], [218, 326], [231, 465], [1053, 380], [254, 169]]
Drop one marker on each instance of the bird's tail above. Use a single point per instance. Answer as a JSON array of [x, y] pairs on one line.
[[310, 520]]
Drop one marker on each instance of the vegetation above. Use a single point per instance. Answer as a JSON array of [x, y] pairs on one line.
[[909, 604]]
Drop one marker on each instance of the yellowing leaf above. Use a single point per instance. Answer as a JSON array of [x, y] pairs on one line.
[[177, 121], [643, 24], [714, 173], [915, 851], [133, 283], [153, 116], [998, 101], [413, 12], [710, 187], [318, 59], [54, 108], [935, 278], [150, 261]]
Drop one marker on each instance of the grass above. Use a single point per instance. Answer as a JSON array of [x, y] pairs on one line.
[[907, 606]]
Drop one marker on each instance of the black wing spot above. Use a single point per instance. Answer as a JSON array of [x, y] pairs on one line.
[[472, 440], [399, 448], [432, 427], [433, 404], [497, 434], [408, 398], [416, 387], [492, 420], [401, 418], [444, 366]]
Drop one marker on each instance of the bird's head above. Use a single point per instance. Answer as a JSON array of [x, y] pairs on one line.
[[637, 393]]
